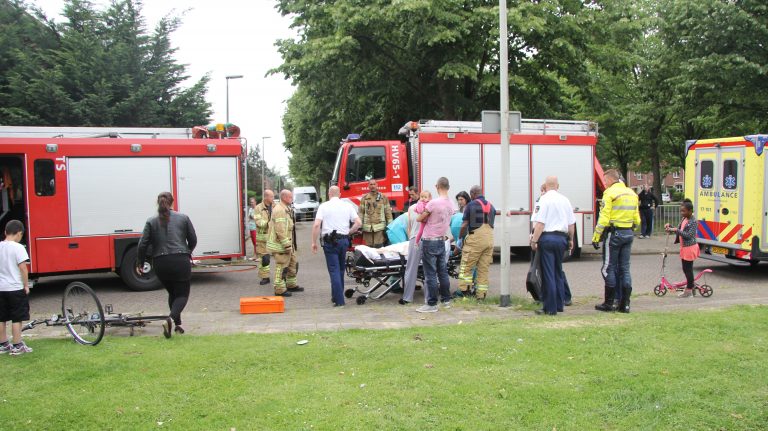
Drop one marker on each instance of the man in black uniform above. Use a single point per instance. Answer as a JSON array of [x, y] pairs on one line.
[[648, 204]]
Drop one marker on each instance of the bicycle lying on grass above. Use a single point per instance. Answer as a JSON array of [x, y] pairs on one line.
[[85, 318]]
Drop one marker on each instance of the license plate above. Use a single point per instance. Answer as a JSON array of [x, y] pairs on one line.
[[719, 250]]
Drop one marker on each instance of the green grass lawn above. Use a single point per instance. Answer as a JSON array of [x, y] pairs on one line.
[[692, 371]]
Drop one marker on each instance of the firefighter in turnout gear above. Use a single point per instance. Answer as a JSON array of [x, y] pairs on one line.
[[619, 217], [375, 214], [477, 249], [281, 242], [261, 215]]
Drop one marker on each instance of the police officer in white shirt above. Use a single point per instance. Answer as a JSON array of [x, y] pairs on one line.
[[554, 225], [336, 220]]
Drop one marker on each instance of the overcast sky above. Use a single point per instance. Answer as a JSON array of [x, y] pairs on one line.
[[229, 37]]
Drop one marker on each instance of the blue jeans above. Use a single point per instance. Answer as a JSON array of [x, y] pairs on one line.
[[617, 247], [335, 256], [646, 215], [552, 248], [435, 269]]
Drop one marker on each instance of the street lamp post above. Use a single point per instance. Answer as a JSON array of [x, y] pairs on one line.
[[263, 161], [228, 78]]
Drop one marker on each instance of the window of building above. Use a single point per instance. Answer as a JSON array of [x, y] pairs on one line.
[[638, 175], [730, 174], [45, 174], [678, 188], [676, 174], [706, 177], [366, 163]]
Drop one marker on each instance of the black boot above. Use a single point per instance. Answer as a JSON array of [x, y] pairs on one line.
[[609, 304], [624, 305]]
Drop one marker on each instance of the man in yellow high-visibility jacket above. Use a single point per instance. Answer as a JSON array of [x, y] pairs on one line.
[[619, 217]]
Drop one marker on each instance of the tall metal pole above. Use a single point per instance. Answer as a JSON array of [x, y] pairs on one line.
[[228, 77], [504, 299], [263, 162]]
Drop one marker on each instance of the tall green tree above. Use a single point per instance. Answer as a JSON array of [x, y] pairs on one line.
[[99, 68], [370, 66], [723, 57]]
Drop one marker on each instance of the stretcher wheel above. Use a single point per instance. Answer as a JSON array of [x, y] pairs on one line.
[[349, 292], [360, 300], [659, 291], [706, 290]]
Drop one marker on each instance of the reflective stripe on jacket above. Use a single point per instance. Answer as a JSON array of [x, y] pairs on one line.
[[372, 220], [261, 216], [280, 236], [619, 209]]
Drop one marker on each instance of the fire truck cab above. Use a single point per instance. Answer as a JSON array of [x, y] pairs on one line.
[[84, 194]]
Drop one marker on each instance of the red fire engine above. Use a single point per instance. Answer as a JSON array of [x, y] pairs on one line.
[[462, 152], [85, 193]]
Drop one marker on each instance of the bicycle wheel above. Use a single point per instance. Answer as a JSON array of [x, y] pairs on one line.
[[82, 314], [705, 290]]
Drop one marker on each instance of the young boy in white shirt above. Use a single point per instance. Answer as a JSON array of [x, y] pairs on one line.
[[14, 288]]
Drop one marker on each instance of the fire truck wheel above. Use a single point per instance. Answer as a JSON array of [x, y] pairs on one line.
[[135, 282]]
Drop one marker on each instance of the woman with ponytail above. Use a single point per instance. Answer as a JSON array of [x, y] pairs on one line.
[[173, 239]]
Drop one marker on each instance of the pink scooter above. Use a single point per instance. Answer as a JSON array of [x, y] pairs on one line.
[[661, 289]]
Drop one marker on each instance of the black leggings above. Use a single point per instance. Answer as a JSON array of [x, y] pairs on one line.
[[174, 272], [688, 271]]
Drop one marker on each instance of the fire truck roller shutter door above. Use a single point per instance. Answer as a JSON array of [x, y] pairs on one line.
[[573, 166], [110, 195], [207, 191], [460, 163], [519, 193]]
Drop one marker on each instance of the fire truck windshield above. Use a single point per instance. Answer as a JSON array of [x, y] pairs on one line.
[[366, 163]]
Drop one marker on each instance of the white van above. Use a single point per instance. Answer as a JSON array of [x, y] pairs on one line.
[[305, 202]]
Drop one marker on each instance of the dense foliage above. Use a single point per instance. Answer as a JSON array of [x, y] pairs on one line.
[[97, 68], [652, 72]]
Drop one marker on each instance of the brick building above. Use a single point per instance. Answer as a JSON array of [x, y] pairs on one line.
[[672, 182]]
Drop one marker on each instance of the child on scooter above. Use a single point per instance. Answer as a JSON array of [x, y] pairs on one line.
[[685, 234]]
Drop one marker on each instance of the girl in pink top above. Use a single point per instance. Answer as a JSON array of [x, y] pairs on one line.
[[420, 207], [685, 234]]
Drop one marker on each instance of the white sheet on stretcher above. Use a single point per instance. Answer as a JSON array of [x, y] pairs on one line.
[[390, 251]]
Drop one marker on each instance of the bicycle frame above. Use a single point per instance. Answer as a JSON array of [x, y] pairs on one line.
[[664, 285]]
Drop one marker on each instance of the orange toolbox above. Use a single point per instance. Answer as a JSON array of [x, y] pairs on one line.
[[262, 305]]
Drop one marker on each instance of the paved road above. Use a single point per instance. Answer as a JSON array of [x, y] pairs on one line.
[[214, 303]]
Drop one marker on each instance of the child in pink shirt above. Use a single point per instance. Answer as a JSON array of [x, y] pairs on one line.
[[689, 250], [420, 207]]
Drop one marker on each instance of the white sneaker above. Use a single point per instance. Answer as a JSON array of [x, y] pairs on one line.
[[22, 349], [6, 348], [446, 304], [427, 309]]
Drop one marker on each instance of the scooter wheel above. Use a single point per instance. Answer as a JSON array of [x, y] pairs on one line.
[[659, 290], [706, 290], [360, 300], [349, 292]]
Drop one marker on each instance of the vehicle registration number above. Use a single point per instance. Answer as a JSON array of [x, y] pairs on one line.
[[719, 250]]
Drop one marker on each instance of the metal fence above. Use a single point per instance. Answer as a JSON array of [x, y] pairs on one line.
[[666, 214]]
